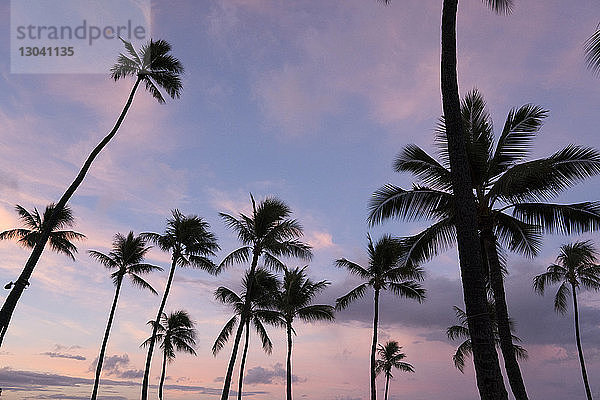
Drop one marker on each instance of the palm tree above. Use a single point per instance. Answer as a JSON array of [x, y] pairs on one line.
[[268, 233], [154, 67], [60, 240], [174, 332], [294, 300], [190, 243], [264, 286], [592, 51], [575, 267], [461, 331], [386, 271], [127, 258], [502, 181], [391, 356]]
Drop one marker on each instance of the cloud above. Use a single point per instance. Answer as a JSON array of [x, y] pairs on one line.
[[320, 240], [54, 354], [117, 366], [268, 376]]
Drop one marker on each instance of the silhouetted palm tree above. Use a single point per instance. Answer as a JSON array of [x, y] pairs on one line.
[[174, 332], [190, 243], [386, 271], [153, 66], [127, 258], [461, 331], [502, 181], [294, 300], [268, 233], [263, 289], [575, 267], [592, 52], [391, 356]]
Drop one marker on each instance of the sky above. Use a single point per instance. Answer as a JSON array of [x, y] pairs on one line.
[[310, 102]]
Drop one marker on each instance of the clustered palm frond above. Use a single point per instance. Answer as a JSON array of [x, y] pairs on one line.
[[390, 357], [175, 333]]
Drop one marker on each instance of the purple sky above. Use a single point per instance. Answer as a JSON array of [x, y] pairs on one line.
[[309, 101]]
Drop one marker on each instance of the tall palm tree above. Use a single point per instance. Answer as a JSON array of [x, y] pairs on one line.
[[264, 286], [268, 233], [175, 332], [386, 271], [391, 356], [503, 182], [190, 243], [127, 258], [592, 51], [576, 266], [35, 223], [154, 67], [465, 349], [294, 300]]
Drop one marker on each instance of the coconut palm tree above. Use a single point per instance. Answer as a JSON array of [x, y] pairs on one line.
[[174, 332], [268, 233], [294, 300], [576, 266], [465, 349], [264, 286], [154, 67], [127, 258], [391, 356], [190, 243], [386, 271], [592, 52], [512, 197], [35, 223]]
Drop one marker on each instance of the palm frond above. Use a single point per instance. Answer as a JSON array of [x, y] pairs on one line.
[[415, 160], [351, 296], [518, 236], [592, 52], [316, 312], [224, 335], [141, 283], [500, 6], [409, 289], [353, 268], [567, 219]]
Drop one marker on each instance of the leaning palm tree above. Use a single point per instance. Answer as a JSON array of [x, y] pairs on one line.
[[268, 233], [391, 356], [294, 300], [576, 266], [175, 332], [264, 286], [127, 258], [154, 67], [465, 349], [386, 271], [190, 243], [592, 52], [512, 196]]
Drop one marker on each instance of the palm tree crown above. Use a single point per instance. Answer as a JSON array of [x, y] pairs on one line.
[[390, 357]]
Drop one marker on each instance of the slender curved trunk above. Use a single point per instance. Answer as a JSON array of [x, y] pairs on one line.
[[162, 376], [238, 335], [243, 362], [387, 385], [289, 362], [511, 365], [21, 283], [155, 328], [485, 358], [374, 345], [588, 392], [105, 340]]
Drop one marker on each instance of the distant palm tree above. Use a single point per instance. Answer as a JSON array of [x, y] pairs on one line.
[[391, 356], [386, 271], [190, 243], [60, 240], [153, 66], [174, 332], [268, 233], [264, 286], [465, 349], [294, 300], [127, 257], [576, 266], [512, 196], [592, 51]]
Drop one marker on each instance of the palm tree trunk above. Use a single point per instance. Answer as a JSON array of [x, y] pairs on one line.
[[15, 294], [511, 365], [289, 362], [155, 328], [487, 367], [243, 362], [105, 340], [374, 345], [238, 335], [387, 385], [162, 376], [588, 392]]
